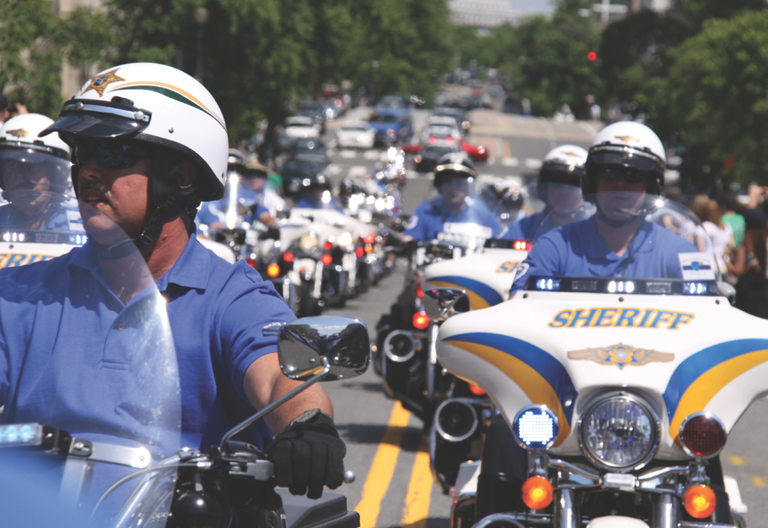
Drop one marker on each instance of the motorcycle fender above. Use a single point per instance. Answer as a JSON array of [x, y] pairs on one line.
[[616, 521]]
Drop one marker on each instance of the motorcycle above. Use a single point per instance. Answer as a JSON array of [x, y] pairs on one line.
[[135, 471], [618, 390]]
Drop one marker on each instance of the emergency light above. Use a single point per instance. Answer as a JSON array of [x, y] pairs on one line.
[[535, 427], [702, 435]]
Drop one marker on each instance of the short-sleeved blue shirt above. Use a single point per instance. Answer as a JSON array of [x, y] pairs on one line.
[[526, 228], [430, 218], [61, 329], [576, 250]]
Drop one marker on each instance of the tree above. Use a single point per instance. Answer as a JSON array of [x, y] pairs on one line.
[[717, 97]]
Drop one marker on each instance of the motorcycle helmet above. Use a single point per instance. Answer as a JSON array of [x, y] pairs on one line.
[[236, 161], [165, 110], [21, 148], [626, 144], [563, 164], [455, 164], [256, 169]]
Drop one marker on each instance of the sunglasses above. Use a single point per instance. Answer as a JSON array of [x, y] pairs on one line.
[[109, 155], [630, 175]]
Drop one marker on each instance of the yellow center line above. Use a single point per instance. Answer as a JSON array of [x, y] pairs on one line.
[[507, 149], [736, 460], [419, 490], [758, 482], [383, 468]]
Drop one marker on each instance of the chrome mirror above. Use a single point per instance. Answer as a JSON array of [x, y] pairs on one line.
[[342, 341], [442, 303]]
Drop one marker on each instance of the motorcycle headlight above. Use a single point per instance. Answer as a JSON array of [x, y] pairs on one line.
[[619, 431], [308, 242], [345, 239]]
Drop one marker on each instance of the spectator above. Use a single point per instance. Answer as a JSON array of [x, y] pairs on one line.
[[733, 215], [749, 266], [719, 233], [8, 110]]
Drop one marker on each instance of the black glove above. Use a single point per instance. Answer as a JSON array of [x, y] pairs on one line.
[[309, 455]]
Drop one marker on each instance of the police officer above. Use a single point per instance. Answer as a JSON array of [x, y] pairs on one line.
[[149, 144], [624, 177], [453, 207], [315, 193], [559, 187], [34, 177]]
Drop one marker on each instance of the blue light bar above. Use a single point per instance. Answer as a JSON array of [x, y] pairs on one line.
[[21, 434], [536, 427], [548, 284]]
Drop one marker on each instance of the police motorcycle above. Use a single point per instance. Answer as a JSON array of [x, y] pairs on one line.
[[615, 396], [63, 464], [38, 213]]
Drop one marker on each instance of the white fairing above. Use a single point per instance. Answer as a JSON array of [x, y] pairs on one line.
[[533, 350], [14, 254]]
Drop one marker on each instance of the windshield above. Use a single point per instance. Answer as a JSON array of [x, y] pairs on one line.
[[313, 145], [384, 118], [103, 372], [623, 242]]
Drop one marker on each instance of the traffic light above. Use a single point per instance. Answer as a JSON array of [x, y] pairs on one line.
[[592, 56]]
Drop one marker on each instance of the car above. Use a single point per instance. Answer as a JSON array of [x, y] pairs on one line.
[[294, 170], [477, 153], [427, 158], [356, 134], [315, 110], [301, 127], [435, 132], [458, 114], [392, 101], [391, 125], [310, 149]]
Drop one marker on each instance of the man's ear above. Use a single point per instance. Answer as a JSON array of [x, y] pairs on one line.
[[186, 173]]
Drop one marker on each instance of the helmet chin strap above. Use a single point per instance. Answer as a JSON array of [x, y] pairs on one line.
[[633, 215]]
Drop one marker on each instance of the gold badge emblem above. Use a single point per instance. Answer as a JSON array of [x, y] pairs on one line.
[[628, 139], [572, 154], [100, 82], [18, 133], [621, 355]]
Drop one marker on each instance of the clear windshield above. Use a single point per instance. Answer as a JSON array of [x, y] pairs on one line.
[[631, 241], [90, 389]]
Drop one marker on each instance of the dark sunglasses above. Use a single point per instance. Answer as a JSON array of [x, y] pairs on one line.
[[630, 175], [109, 155]]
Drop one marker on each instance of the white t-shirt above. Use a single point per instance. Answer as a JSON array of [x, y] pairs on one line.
[[721, 239]]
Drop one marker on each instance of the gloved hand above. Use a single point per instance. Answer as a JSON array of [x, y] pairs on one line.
[[309, 455]]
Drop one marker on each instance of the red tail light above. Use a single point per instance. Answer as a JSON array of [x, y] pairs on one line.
[[328, 246], [419, 291], [252, 262], [421, 320], [326, 259], [288, 257], [360, 252], [432, 140], [370, 238], [522, 245], [477, 391], [449, 140]]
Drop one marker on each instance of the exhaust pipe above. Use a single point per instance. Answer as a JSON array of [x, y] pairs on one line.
[[399, 346], [456, 420]]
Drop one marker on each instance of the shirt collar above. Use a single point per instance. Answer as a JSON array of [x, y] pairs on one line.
[[596, 248]]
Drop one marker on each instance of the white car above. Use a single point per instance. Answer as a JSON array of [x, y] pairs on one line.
[[301, 127], [356, 134], [444, 121]]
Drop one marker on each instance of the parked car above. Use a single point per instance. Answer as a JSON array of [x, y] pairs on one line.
[[356, 134], [301, 127]]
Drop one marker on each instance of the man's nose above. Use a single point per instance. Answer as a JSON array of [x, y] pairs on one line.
[[90, 170]]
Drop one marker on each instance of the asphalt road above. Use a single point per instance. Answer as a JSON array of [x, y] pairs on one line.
[[394, 486]]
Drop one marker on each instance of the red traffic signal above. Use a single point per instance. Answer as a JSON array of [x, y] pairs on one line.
[[592, 56]]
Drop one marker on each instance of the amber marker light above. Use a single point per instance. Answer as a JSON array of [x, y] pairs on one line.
[[326, 259], [699, 501], [537, 493], [477, 391], [273, 270]]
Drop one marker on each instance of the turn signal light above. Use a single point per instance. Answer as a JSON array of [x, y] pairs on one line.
[[419, 291], [359, 252], [421, 320], [538, 493], [699, 501], [326, 259], [370, 238], [477, 391], [328, 246], [289, 257], [702, 435], [368, 248], [273, 270]]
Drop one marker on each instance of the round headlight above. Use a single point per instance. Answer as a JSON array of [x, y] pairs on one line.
[[619, 431], [308, 242]]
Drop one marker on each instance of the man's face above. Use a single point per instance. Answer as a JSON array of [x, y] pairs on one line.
[[256, 183], [620, 191], [115, 196], [454, 191], [562, 197], [28, 186]]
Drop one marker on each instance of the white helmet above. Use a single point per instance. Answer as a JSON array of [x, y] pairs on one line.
[[627, 144], [155, 104], [20, 142], [563, 164]]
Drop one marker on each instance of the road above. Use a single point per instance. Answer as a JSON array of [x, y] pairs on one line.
[[394, 486]]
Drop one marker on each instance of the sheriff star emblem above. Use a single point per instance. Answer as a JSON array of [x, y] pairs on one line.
[[571, 153], [628, 139], [621, 355], [18, 133], [100, 82]]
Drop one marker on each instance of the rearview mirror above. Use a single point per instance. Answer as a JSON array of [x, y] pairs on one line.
[[343, 341], [442, 303]]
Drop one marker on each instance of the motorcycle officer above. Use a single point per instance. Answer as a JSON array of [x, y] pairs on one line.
[[454, 176], [316, 194], [34, 177], [255, 180], [559, 187], [625, 174], [149, 144]]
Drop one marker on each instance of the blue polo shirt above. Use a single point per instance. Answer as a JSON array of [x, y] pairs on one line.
[[430, 218], [576, 250], [526, 228], [68, 344]]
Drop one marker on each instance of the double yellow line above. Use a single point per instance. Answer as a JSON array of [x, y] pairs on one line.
[[380, 475]]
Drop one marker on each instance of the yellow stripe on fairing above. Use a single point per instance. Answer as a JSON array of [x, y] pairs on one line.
[[531, 382], [475, 301], [175, 89], [701, 391]]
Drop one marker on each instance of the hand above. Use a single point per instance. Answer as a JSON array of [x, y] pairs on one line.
[[309, 455]]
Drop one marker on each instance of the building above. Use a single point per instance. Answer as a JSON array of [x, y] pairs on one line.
[[484, 14], [608, 10]]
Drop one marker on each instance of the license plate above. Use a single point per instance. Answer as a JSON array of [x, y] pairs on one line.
[[619, 480]]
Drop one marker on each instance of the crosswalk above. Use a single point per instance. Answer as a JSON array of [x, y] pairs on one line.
[[378, 155]]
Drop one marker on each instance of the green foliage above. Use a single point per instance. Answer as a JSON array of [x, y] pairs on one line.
[[717, 95]]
